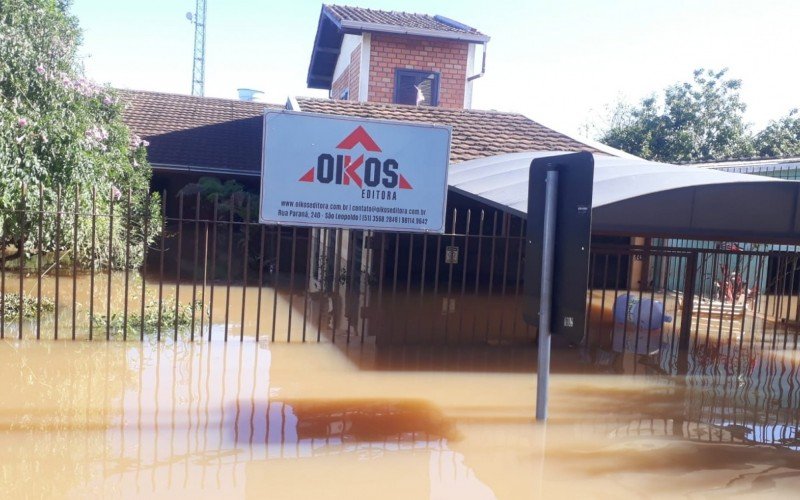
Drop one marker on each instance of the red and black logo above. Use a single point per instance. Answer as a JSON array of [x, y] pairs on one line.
[[369, 172]]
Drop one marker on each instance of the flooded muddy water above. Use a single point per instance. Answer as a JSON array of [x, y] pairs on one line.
[[232, 311], [280, 420]]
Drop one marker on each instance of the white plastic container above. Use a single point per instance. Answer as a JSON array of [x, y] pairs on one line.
[[638, 324]]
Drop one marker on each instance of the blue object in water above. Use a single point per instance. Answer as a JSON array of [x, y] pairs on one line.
[[647, 313]]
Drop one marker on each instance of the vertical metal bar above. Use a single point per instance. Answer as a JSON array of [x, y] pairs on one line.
[[178, 258], [652, 288], [760, 262], [323, 257], [746, 267], [349, 284], [437, 261], [275, 282], [686, 314], [449, 277], [58, 260], [791, 264], [39, 265], [697, 294], [213, 266], [779, 282], [422, 278], [491, 273], [260, 283], [93, 263], [291, 284], [309, 242], [145, 237], [667, 261], [365, 278], [519, 278], [110, 257], [507, 244], [230, 264], [161, 262], [127, 266], [628, 283], [478, 271], [204, 286], [21, 250], [711, 301], [337, 282], [380, 283], [548, 253], [194, 267], [75, 261], [464, 264], [642, 284], [394, 288], [725, 278], [244, 272], [408, 280]]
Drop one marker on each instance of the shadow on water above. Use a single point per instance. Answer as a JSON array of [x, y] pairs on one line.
[[341, 421], [452, 358]]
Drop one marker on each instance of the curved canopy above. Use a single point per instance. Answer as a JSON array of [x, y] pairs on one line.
[[643, 198]]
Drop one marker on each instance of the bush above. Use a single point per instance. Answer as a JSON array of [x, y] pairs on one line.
[[60, 133], [30, 306]]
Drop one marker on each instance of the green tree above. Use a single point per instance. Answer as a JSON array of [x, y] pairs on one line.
[[62, 135], [781, 138], [700, 120]]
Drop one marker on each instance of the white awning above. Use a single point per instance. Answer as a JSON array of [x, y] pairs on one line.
[[643, 198]]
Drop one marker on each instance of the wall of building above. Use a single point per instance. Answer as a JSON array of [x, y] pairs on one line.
[[349, 43], [446, 57], [347, 75]]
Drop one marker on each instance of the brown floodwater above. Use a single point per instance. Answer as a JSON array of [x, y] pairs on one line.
[[280, 420]]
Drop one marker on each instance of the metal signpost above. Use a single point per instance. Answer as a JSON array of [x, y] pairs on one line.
[[335, 171], [557, 254]]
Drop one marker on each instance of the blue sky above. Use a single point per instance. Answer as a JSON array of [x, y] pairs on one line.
[[559, 62]]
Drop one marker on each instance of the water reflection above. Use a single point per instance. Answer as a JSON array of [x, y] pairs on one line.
[[249, 419]]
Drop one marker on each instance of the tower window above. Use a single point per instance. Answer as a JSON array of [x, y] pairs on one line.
[[420, 88]]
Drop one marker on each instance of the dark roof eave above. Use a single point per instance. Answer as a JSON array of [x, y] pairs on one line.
[[312, 80], [204, 170]]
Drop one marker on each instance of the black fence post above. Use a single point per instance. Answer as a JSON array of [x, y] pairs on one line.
[[686, 313]]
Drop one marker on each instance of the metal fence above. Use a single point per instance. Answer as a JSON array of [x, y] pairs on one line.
[[788, 168], [210, 270], [689, 308]]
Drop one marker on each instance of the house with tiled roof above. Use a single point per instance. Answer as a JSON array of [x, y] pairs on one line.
[[375, 64]]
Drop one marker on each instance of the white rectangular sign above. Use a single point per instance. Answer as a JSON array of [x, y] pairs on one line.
[[337, 171]]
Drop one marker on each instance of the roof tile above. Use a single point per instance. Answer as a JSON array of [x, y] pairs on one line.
[[226, 134], [197, 131], [476, 134], [393, 18]]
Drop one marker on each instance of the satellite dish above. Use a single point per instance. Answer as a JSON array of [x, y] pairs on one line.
[[189, 16]]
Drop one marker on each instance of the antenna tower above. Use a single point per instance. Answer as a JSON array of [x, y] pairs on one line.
[[199, 61]]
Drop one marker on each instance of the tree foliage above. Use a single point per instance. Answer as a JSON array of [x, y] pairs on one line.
[[700, 120], [63, 136], [781, 138]]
